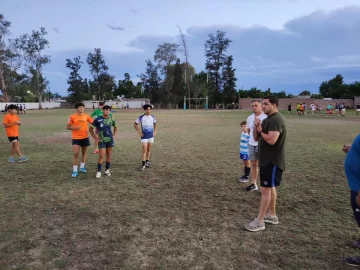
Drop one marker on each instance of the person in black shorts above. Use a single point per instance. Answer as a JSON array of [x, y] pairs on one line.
[[271, 134]]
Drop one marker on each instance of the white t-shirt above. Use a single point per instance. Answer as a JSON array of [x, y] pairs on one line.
[[250, 125]]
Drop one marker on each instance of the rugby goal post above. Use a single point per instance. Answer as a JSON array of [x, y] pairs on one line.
[[206, 105]]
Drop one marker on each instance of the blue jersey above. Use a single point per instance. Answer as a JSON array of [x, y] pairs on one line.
[[352, 165], [103, 126], [244, 141], [147, 125]]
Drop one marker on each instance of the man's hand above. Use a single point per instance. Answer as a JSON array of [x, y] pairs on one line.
[[259, 128], [154, 134], [346, 148], [140, 134], [257, 122]]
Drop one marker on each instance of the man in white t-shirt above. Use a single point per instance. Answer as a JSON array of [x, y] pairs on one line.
[[253, 145]]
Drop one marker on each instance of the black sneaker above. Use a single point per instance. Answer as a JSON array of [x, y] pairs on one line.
[[147, 165], [244, 179], [142, 167], [353, 261], [252, 187]]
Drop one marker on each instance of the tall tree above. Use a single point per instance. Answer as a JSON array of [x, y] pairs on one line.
[[76, 84], [215, 49], [229, 79], [97, 66], [151, 82], [4, 31], [33, 47], [125, 87], [184, 49], [178, 84], [165, 55]]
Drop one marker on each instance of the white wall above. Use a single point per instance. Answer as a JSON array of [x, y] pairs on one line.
[[133, 104], [33, 105]]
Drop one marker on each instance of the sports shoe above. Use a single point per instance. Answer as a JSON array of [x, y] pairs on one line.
[[83, 170], [107, 172], [23, 159], [255, 226], [142, 167], [353, 261], [11, 160], [74, 174], [96, 151], [147, 165], [252, 187], [243, 179], [98, 175], [271, 219]]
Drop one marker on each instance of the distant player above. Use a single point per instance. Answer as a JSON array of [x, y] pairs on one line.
[[11, 124], [244, 152], [105, 137], [96, 113], [78, 123], [147, 134]]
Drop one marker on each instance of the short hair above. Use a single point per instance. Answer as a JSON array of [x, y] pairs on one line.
[[12, 106], [255, 100], [79, 104], [146, 106], [106, 107], [101, 103], [273, 100], [243, 123]]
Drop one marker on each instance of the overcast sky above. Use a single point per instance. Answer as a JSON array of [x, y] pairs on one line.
[[290, 45]]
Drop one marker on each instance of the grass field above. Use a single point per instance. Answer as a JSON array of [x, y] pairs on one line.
[[187, 211]]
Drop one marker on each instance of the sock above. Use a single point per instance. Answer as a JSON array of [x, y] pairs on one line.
[[143, 162], [247, 171], [107, 165], [99, 167], [147, 161], [82, 165], [75, 168]]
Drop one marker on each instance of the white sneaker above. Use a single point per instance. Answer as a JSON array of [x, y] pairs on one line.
[[98, 175], [107, 172]]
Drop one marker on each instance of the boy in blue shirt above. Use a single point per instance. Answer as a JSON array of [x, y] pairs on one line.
[[147, 134], [244, 152]]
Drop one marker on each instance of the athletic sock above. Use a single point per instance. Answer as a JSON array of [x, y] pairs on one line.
[[247, 171], [107, 165], [99, 167], [143, 162], [75, 168], [82, 165]]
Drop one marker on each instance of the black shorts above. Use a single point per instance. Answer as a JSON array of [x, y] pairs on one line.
[[81, 142], [13, 139], [270, 175], [355, 207]]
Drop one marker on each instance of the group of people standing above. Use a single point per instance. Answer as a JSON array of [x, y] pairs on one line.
[[103, 129], [262, 149]]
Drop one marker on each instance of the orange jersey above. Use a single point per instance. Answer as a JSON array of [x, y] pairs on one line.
[[12, 131], [80, 121]]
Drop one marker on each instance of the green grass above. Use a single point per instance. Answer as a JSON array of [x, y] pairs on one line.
[[187, 211]]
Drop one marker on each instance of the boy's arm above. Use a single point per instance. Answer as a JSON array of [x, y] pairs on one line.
[[91, 130], [137, 129], [154, 129]]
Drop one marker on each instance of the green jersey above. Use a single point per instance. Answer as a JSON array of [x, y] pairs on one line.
[[103, 126]]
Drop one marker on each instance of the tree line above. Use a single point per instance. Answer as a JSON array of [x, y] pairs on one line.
[[166, 79]]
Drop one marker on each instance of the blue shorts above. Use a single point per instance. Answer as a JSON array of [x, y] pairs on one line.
[[106, 144], [244, 156]]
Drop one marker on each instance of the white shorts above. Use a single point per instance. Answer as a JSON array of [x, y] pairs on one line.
[[151, 140]]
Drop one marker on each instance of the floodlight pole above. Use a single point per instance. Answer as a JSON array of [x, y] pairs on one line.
[[184, 103]]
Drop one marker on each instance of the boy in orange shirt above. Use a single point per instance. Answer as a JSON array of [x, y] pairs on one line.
[[11, 123], [78, 123]]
